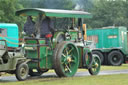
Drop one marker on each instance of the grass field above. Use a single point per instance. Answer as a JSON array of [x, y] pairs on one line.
[[118, 79], [124, 66]]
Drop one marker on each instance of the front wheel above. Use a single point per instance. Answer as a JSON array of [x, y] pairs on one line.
[[95, 68], [98, 53], [22, 71]]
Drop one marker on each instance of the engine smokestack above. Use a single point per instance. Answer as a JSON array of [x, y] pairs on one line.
[[78, 7]]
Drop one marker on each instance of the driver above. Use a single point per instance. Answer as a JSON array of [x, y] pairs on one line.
[[46, 27]]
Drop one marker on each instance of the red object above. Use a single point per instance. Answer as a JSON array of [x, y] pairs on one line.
[[126, 61], [48, 35]]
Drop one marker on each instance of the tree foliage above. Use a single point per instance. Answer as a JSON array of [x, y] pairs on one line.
[[58, 4], [32, 3], [51, 4], [109, 13], [7, 12], [105, 12]]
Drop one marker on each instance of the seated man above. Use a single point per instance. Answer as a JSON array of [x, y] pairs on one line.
[[29, 26], [46, 28]]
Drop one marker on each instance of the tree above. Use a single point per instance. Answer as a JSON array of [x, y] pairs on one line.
[[7, 12], [32, 3], [58, 4], [50, 4], [109, 13]]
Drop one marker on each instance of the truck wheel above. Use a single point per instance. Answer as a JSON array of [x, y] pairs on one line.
[[32, 73], [100, 55], [115, 58], [22, 71], [66, 59], [95, 68]]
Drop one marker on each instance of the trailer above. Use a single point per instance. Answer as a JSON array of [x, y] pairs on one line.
[[111, 44], [10, 33]]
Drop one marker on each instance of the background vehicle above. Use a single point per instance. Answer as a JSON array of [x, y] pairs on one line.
[[111, 44], [10, 33], [66, 50], [13, 63]]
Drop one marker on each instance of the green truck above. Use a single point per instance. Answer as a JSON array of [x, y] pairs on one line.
[[111, 44]]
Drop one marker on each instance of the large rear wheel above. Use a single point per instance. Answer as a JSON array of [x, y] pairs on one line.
[[66, 59]]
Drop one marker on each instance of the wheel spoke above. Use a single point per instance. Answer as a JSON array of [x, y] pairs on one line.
[[94, 69], [66, 51], [74, 58], [63, 55], [63, 59], [73, 62], [70, 50], [69, 64], [62, 63], [68, 68]]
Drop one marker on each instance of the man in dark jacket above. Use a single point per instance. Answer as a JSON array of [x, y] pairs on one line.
[[29, 26], [46, 27]]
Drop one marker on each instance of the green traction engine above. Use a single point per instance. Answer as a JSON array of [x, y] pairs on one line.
[[66, 50]]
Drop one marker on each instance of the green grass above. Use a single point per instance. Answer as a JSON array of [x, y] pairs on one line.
[[120, 79], [124, 66], [116, 79], [103, 68]]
